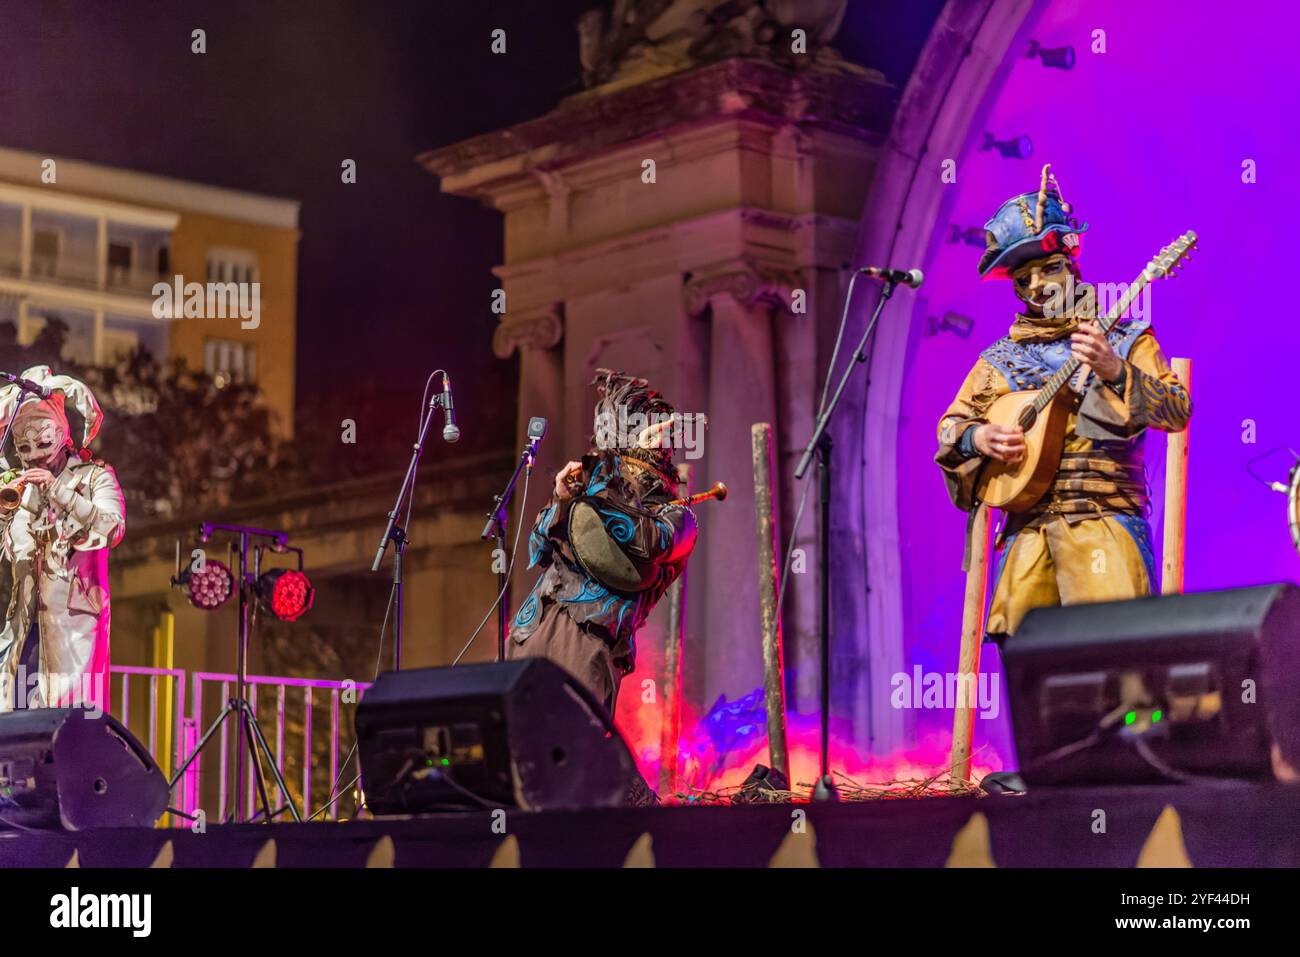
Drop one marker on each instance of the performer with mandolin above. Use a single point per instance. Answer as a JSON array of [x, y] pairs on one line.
[[611, 540], [1049, 423]]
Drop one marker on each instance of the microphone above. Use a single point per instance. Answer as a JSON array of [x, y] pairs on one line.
[[449, 431], [908, 277], [536, 432], [27, 385]]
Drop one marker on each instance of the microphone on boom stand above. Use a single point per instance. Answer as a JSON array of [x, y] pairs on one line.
[[819, 448], [449, 431], [496, 521], [394, 532]]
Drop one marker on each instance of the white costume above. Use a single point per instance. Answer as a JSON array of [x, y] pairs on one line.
[[57, 543]]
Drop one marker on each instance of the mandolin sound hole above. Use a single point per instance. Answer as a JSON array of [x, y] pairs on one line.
[[1028, 416]]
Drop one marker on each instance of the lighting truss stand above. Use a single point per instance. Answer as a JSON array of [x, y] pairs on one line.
[[248, 733]]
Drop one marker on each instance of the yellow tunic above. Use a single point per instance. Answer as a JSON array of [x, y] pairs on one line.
[[1077, 545]]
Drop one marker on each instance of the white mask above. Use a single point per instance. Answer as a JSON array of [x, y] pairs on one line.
[[38, 441]]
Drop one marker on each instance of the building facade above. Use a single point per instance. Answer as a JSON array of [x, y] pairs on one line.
[[94, 247]]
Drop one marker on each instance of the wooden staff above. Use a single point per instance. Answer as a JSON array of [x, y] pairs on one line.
[[1175, 532], [671, 727], [773, 666], [972, 628]]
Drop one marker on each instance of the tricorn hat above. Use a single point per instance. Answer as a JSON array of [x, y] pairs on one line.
[[1030, 226]]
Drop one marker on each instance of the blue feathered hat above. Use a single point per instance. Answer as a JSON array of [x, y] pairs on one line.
[[1030, 226]]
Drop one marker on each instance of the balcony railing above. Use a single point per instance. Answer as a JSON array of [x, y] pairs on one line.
[[65, 270], [82, 273], [139, 281], [306, 749]]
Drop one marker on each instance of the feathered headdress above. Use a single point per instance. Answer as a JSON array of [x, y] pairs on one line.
[[623, 398], [62, 388]]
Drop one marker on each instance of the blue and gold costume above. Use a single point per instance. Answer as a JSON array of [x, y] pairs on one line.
[[663, 538], [569, 616], [1087, 539]]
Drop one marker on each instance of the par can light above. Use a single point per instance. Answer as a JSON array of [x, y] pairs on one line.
[[285, 593], [209, 585]]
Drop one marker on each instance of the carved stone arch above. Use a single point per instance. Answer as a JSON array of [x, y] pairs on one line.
[[960, 73]]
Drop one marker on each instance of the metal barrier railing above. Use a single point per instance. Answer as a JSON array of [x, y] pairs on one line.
[[163, 751], [171, 732]]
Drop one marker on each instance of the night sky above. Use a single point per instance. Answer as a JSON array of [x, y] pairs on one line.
[[394, 277]]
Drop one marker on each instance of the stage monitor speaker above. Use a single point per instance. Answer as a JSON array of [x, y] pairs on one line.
[[67, 767], [522, 734], [1157, 689]]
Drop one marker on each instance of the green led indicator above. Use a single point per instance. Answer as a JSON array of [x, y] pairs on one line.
[[446, 762], [1130, 717], [1156, 716]]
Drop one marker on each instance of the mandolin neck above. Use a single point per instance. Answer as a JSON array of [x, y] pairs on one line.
[[1061, 376]]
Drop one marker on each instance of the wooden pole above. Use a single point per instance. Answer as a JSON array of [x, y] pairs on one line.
[[670, 729], [972, 633], [1173, 549], [773, 666]]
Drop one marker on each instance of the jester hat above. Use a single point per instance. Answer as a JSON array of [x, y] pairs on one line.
[[62, 388]]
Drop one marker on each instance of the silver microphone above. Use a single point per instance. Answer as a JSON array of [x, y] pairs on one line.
[[27, 385], [449, 431], [908, 277]]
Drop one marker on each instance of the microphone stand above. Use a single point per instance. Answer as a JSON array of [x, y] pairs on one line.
[[496, 528], [28, 389], [396, 534], [820, 445]]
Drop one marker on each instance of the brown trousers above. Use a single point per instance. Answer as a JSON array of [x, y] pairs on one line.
[[559, 639]]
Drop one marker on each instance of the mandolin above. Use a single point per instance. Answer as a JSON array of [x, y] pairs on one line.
[[1044, 413]]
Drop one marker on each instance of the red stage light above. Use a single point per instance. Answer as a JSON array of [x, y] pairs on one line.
[[286, 593]]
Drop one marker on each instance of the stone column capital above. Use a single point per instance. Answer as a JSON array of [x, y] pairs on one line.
[[538, 328], [744, 282]]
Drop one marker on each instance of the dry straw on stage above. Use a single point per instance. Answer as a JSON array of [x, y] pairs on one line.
[[942, 784]]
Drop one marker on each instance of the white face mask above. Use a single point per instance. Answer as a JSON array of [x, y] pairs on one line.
[[38, 442]]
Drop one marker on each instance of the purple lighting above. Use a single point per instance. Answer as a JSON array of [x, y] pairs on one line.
[[1162, 126]]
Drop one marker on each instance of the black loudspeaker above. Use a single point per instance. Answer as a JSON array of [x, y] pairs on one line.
[[521, 734], [1159, 688], [66, 767]]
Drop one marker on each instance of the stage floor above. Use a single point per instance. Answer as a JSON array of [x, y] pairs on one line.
[[1242, 825]]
